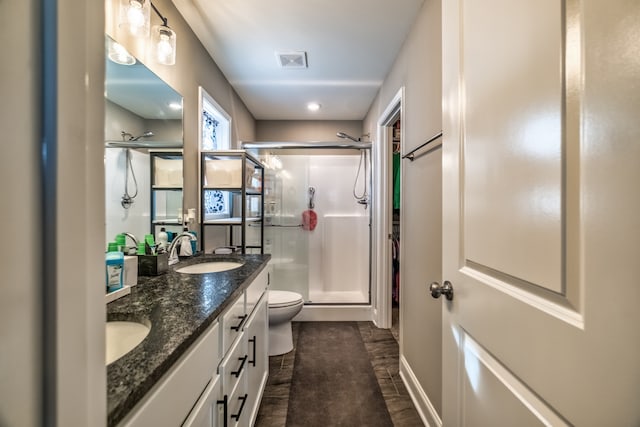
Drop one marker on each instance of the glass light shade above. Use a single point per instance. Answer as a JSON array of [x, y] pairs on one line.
[[164, 44], [120, 55], [135, 16]]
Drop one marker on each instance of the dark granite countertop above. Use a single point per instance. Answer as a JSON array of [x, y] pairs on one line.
[[179, 308]]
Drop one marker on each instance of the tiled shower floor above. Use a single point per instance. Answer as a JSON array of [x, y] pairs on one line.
[[383, 354]]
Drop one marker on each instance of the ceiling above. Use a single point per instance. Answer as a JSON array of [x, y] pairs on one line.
[[350, 47]]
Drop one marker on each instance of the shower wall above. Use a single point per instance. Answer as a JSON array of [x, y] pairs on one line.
[[136, 219], [329, 264]]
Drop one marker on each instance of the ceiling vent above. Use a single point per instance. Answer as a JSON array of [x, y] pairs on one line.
[[292, 59]]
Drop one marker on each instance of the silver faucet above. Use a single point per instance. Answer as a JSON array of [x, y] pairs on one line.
[[135, 242], [173, 257]]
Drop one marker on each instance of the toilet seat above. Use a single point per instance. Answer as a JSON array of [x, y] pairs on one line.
[[279, 299]]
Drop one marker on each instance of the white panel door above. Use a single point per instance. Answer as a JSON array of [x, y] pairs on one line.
[[541, 231]]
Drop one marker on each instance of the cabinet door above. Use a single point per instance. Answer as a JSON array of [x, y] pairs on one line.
[[257, 335], [205, 413], [171, 400]]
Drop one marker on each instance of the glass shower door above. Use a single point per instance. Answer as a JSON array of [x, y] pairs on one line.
[[286, 241]]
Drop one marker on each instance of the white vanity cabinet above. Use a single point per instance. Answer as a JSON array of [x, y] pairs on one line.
[[245, 365], [219, 381], [257, 333]]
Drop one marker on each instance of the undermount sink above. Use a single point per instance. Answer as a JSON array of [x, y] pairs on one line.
[[209, 267], [122, 337]]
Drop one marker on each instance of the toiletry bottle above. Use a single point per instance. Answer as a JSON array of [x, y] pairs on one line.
[[121, 241], [185, 243], [194, 243], [114, 265], [163, 239]]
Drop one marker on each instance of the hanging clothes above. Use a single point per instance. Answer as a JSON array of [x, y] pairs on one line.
[[396, 180], [395, 266]]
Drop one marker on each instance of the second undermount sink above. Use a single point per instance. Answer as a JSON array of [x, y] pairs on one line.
[[122, 337], [209, 267]]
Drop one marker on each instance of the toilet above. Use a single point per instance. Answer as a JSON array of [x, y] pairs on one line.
[[283, 306]]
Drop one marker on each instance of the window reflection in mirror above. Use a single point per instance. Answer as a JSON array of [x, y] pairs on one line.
[[143, 149]]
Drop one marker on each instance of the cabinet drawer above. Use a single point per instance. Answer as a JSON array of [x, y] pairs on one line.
[[232, 322], [234, 364], [256, 289]]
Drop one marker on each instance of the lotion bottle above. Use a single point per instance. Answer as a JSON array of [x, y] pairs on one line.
[[163, 239]]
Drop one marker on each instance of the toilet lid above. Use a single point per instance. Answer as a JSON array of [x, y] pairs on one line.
[[283, 298]]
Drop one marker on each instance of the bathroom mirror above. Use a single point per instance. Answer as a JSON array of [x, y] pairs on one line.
[[143, 148]]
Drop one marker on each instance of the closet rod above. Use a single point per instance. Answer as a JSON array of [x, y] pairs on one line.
[[411, 154]]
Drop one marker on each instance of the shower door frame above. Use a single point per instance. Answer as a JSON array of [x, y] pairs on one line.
[[358, 314]]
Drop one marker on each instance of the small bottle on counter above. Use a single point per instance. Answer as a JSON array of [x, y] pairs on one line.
[[114, 265], [185, 243], [163, 239]]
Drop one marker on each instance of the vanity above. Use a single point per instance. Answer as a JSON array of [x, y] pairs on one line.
[[204, 361]]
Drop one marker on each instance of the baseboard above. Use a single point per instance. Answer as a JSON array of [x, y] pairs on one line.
[[423, 405], [334, 313]]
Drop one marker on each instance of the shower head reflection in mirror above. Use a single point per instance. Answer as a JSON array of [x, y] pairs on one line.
[[147, 134]]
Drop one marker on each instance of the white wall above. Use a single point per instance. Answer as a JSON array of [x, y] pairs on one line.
[[339, 245], [418, 69], [20, 370], [136, 219], [306, 130], [81, 376]]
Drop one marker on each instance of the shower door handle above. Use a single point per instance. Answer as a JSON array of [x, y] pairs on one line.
[[445, 289]]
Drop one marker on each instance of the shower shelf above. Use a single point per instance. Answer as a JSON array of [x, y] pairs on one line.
[[231, 198], [166, 190]]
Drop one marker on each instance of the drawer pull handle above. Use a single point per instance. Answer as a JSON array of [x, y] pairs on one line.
[[237, 373], [253, 360], [223, 402], [244, 399], [239, 325]]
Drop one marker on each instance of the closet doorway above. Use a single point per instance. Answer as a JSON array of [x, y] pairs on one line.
[[394, 137], [386, 227]]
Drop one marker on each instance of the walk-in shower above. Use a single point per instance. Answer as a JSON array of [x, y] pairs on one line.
[[328, 264]]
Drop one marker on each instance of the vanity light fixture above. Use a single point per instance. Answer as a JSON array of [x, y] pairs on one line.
[[313, 106], [135, 16], [163, 40]]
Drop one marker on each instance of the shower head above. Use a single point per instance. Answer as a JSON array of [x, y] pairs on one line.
[[344, 135], [124, 134], [147, 134]]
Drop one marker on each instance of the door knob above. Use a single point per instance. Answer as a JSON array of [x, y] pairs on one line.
[[445, 289]]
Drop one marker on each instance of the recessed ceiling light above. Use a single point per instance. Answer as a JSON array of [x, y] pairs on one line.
[[313, 106], [175, 106]]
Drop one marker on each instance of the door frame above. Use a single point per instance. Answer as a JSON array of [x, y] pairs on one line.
[[382, 225]]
